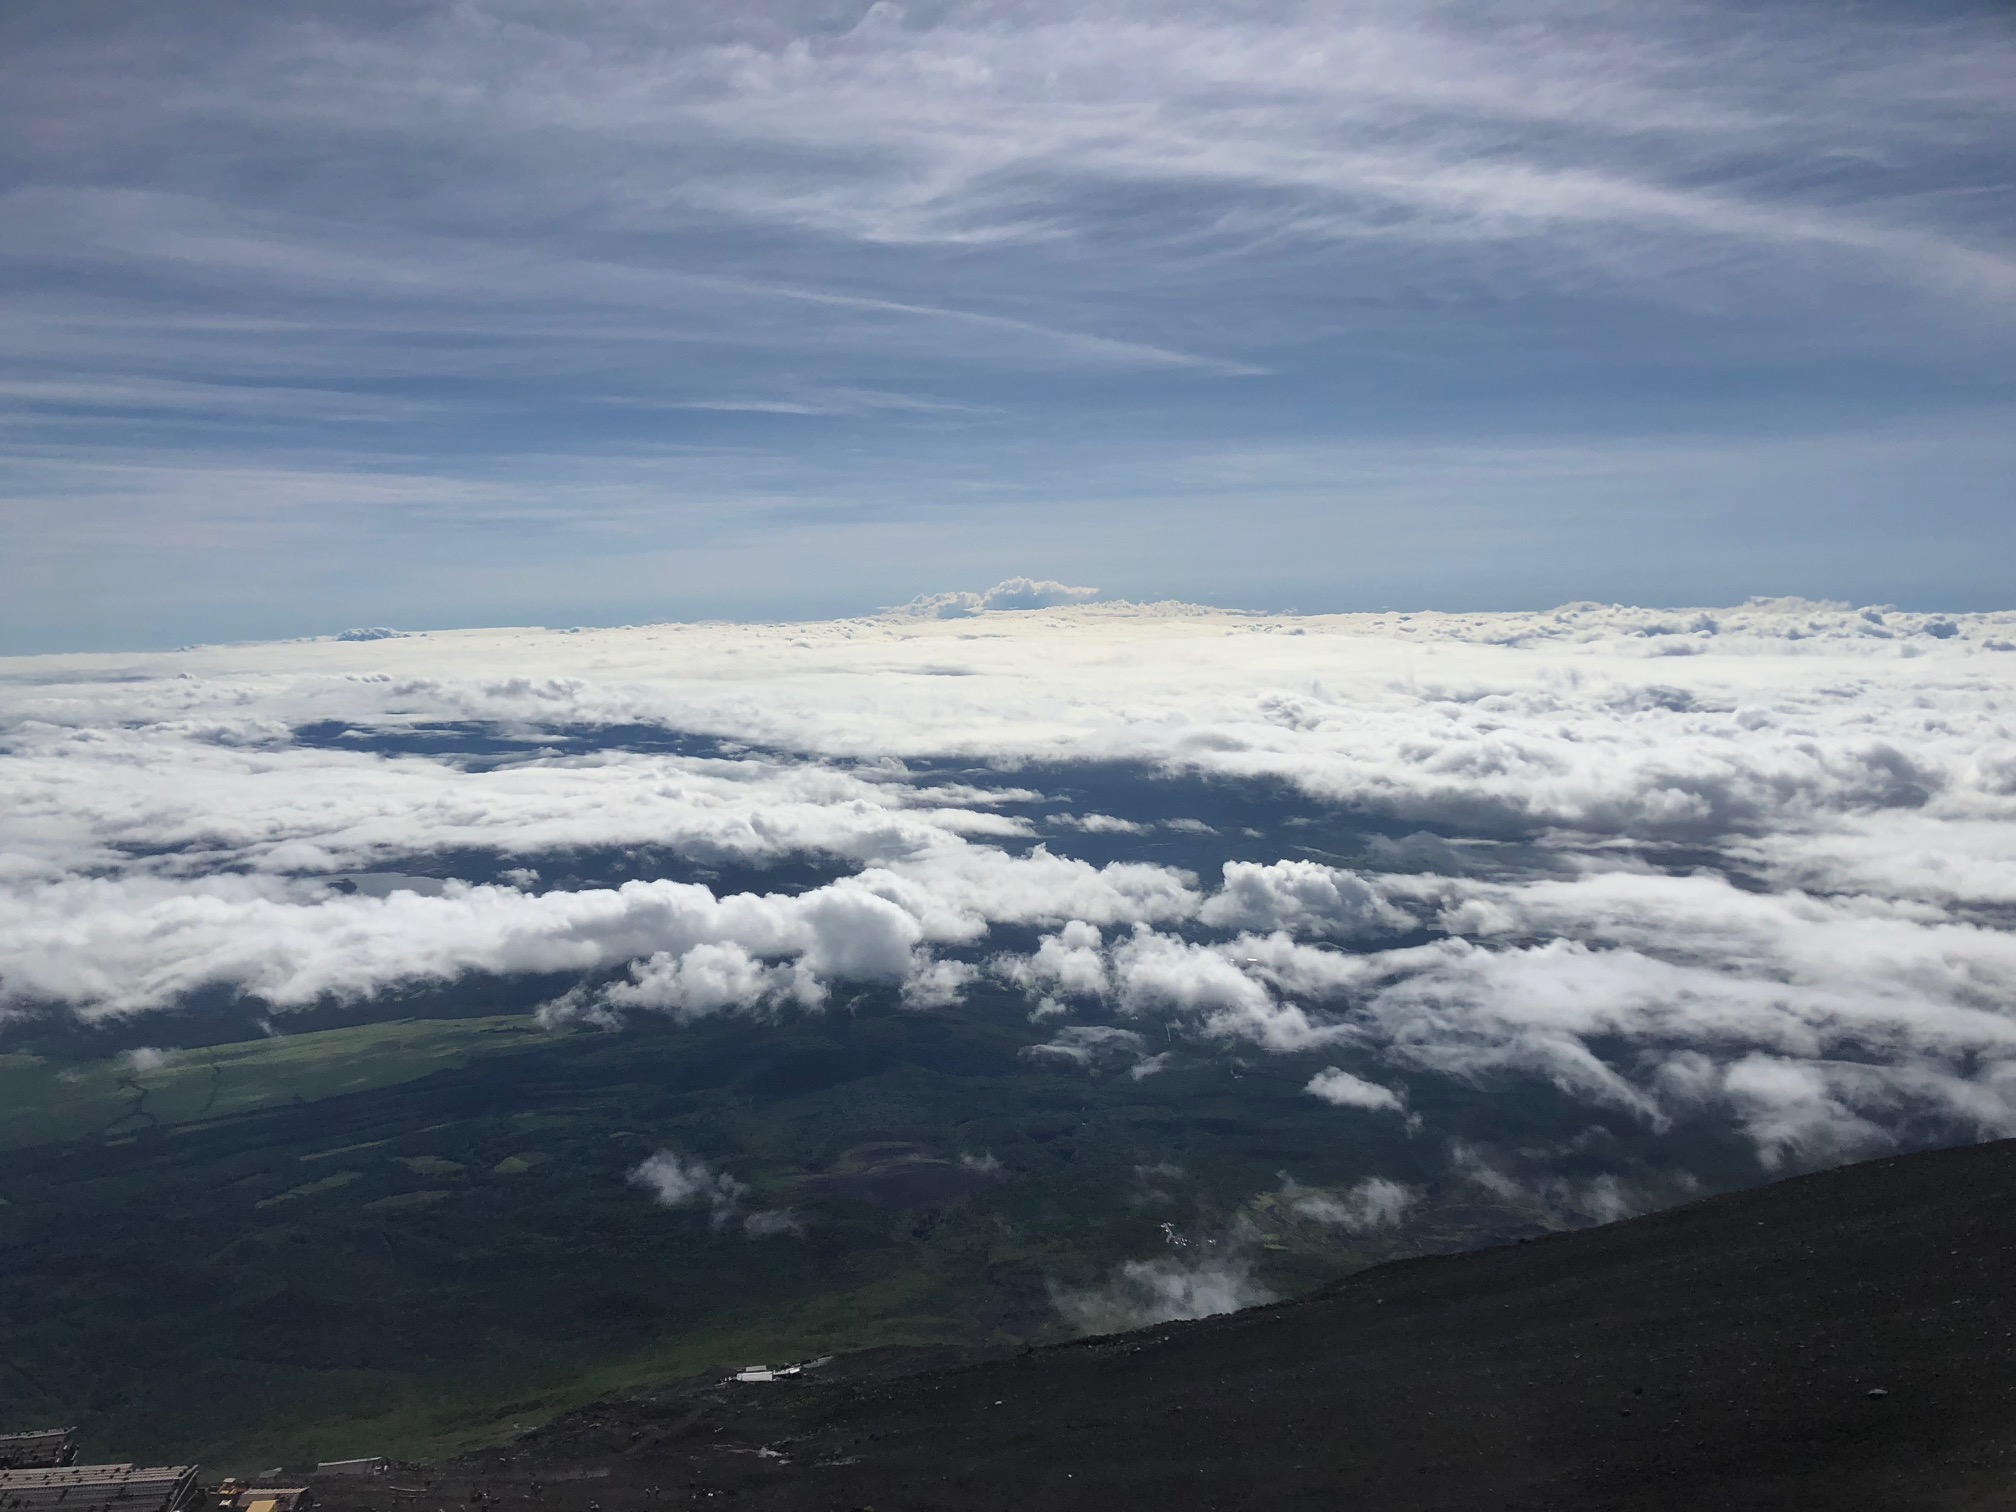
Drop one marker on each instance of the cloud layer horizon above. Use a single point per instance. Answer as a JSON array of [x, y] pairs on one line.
[[1752, 868]]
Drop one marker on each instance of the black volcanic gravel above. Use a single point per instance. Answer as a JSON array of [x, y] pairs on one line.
[[1838, 1340]]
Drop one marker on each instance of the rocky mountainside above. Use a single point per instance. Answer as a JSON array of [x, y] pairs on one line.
[[1845, 1339]]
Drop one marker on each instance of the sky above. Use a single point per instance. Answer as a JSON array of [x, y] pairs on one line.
[[536, 312]]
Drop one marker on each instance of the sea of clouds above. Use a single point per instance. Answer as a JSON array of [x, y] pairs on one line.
[[1752, 865]]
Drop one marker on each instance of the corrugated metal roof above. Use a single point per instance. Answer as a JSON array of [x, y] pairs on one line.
[[98, 1488], [39, 1449]]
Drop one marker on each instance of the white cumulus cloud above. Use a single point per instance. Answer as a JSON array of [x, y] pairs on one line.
[[1010, 593], [1299, 897], [1343, 1090], [1144, 1292]]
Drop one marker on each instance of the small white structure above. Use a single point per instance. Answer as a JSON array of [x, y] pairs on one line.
[[371, 1464], [758, 1373]]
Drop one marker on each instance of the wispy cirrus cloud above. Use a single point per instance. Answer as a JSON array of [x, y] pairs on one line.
[[896, 259]]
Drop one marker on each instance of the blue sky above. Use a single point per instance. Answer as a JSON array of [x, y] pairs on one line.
[[522, 310]]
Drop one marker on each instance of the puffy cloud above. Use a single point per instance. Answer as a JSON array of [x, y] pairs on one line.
[[1159, 973], [1811, 1022], [1555, 1199], [1341, 1089], [1148, 973], [176, 798], [1010, 593], [1299, 897], [938, 984], [678, 1181], [957, 890], [770, 1222], [1789, 1106], [1816, 1026], [1813, 1112], [122, 946], [1144, 1292], [709, 978], [1695, 959], [1959, 862], [1071, 961], [1374, 1203]]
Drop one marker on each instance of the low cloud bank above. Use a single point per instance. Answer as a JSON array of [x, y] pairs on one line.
[[1821, 738], [1753, 866], [1820, 1028], [131, 944]]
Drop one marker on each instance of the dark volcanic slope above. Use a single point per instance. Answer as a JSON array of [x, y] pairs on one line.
[[1719, 1355]]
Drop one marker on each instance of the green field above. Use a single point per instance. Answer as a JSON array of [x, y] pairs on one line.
[[43, 1100]]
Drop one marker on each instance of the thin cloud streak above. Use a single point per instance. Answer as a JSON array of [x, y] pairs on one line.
[[436, 243]]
